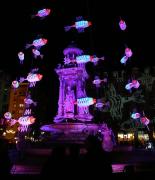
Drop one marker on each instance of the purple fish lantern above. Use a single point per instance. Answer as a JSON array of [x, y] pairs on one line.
[[42, 13], [21, 57], [122, 25], [8, 115]]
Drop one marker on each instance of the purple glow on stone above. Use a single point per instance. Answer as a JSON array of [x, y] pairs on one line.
[[72, 87], [71, 50]]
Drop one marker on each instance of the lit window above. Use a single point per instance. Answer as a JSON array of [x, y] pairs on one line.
[[20, 111], [21, 105]]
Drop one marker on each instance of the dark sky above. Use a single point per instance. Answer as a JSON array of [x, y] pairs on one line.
[[103, 38]]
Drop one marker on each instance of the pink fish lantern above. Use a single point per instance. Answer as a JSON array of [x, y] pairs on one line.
[[122, 25], [34, 77], [26, 120], [128, 52], [40, 42], [37, 53], [15, 84], [145, 120], [43, 12], [8, 115], [135, 84]]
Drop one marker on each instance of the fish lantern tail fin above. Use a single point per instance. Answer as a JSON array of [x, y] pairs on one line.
[[102, 58], [28, 46], [67, 28], [21, 79]]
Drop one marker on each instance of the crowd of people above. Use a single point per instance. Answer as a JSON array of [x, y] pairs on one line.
[[69, 159]]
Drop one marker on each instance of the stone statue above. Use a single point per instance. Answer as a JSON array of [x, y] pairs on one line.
[[69, 102]]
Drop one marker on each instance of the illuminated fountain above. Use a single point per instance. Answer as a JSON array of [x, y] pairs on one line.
[[72, 122], [72, 87]]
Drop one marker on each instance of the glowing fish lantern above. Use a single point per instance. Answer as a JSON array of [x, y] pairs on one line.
[[145, 120], [122, 25], [128, 52], [32, 78], [100, 104], [95, 59], [28, 101], [97, 81], [134, 84], [80, 25], [25, 121], [42, 13], [21, 57], [8, 115], [15, 84], [135, 115], [37, 43], [36, 53], [87, 58]]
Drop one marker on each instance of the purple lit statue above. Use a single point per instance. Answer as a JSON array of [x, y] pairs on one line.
[[69, 103]]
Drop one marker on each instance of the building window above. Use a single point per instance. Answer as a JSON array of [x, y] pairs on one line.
[[21, 105], [20, 111]]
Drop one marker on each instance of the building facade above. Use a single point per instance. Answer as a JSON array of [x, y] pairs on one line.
[[16, 100], [5, 81]]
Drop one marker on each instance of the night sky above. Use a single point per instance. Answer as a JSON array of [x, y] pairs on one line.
[[103, 38]]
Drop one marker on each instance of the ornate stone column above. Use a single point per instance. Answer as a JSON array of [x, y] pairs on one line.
[[72, 79]]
